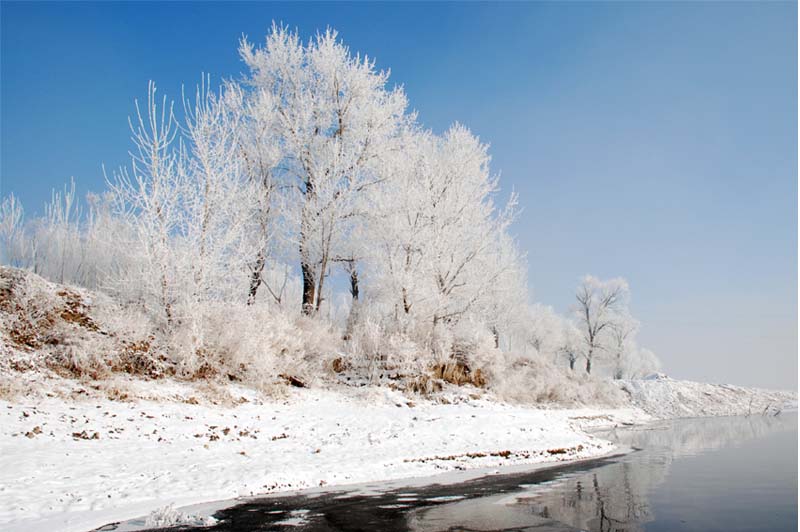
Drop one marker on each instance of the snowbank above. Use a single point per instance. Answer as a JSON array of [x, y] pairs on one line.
[[665, 398], [74, 465]]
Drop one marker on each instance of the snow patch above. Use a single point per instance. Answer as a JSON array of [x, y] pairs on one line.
[[168, 516]]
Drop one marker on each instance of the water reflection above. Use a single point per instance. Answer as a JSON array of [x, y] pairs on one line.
[[617, 496]]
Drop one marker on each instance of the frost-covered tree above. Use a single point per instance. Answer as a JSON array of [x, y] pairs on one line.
[[572, 344], [600, 304], [335, 117], [148, 196], [438, 250], [12, 233], [395, 237], [70, 243], [57, 247], [464, 226], [222, 202], [505, 299], [258, 154], [189, 205], [545, 331], [622, 345], [604, 329]]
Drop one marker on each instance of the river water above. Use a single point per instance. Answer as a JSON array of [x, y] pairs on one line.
[[709, 474]]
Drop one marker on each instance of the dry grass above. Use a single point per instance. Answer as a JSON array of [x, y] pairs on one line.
[[12, 389], [458, 373], [138, 358], [75, 310]]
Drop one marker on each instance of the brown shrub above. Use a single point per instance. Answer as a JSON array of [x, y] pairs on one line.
[[74, 311], [28, 329], [338, 365], [292, 380], [138, 358], [67, 363], [205, 371], [458, 373], [424, 385]]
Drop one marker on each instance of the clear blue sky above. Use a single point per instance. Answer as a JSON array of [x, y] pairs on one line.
[[654, 141]]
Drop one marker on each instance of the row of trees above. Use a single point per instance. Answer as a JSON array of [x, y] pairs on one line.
[[308, 179]]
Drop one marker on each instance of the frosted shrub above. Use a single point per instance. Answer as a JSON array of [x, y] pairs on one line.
[[534, 380], [257, 344], [168, 516], [474, 342], [375, 351], [365, 348], [322, 344]]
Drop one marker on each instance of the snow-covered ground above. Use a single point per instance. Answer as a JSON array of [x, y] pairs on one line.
[[76, 464]]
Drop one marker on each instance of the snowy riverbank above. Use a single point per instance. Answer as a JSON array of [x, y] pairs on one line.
[[77, 455], [78, 464]]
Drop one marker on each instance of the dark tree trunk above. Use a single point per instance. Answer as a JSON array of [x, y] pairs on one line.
[[165, 299], [255, 278], [321, 284], [352, 318], [309, 288], [354, 283], [307, 269], [588, 364], [572, 364], [406, 304]]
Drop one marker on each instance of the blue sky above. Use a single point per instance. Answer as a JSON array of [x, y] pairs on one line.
[[654, 141]]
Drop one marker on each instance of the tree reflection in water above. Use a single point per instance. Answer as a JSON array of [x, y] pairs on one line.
[[611, 498]]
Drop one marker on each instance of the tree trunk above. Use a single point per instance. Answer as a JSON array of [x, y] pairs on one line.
[[589, 364], [321, 282], [306, 268], [165, 299], [309, 288], [354, 282], [352, 318], [255, 278], [406, 304]]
